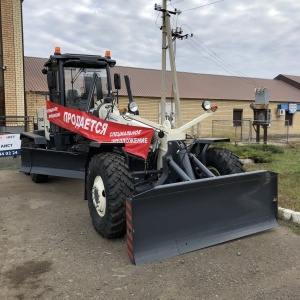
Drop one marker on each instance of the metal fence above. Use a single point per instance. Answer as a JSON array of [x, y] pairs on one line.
[[277, 131], [16, 124]]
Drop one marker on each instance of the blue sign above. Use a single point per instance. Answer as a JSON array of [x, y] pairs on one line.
[[291, 108]]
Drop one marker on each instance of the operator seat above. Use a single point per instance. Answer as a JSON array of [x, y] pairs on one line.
[[70, 99]]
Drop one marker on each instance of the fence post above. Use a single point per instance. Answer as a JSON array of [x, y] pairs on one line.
[[287, 131], [199, 129], [235, 137], [251, 130], [192, 131], [241, 130]]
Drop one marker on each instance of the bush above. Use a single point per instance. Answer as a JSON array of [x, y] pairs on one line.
[[258, 153]]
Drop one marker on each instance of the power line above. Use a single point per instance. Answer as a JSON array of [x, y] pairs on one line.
[[222, 61], [245, 79], [175, 2], [156, 20], [214, 56], [208, 58], [202, 6]]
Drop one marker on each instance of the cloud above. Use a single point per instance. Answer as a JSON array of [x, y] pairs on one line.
[[256, 38]]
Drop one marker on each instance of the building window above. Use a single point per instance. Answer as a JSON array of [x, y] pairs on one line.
[[237, 116], [288, 119]]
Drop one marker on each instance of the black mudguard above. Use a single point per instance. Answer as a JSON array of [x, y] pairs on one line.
[[182, 217]]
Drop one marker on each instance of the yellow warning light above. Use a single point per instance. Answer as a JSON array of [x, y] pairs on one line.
[[123, 110], [107, 54], [57, 50]]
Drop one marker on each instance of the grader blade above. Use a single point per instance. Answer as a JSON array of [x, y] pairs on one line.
[[182, 217]]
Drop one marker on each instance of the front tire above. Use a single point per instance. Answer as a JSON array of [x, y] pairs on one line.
[[223, 162], [109, 184]]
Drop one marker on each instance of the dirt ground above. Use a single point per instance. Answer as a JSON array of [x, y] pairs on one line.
[[49, 250]]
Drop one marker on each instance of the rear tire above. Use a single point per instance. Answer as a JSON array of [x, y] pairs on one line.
[[37, 178], [109, 184], [223, 162], [28, 143]]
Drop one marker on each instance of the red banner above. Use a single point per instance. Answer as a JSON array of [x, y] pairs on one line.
[[136, 139]]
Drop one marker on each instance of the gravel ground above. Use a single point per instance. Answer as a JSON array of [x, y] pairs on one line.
[[49, 250]]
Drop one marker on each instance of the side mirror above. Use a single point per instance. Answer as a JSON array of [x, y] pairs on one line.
[[117, 81], [51, 80]]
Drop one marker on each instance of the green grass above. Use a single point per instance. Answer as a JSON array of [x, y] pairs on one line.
[[283, 160], [293, 226], [258, 153]]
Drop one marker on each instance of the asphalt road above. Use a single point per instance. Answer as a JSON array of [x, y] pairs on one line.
[[49, 250]]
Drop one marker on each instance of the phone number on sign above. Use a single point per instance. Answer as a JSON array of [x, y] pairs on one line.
[[10, 153]]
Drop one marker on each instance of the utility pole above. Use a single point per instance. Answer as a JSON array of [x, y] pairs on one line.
[[167, 37], [173, 72], [163, 64]]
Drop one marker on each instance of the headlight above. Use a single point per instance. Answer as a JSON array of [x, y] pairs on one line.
[[206, 105], [133, 106]]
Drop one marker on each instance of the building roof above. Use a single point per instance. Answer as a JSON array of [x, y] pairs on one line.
[[35, 81], [290, 80], [291, 77], [147, 83]]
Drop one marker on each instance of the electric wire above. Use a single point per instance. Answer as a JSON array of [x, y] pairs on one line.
[[214, 55], [244, 79], [201, 6], [175, 3], [222, 61], [225, 66], [209, 58], [157, 19]]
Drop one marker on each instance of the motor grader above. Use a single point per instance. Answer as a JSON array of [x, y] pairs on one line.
[[167, 193]]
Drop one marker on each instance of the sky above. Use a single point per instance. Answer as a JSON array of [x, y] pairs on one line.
[[258, 38]]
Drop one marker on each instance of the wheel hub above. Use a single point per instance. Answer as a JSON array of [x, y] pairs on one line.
[[215, 171], [98, 196]]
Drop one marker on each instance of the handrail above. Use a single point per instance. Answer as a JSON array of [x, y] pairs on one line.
[[14, 121]]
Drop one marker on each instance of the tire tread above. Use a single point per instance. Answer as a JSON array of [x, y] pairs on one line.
[[119, 186], [224, 160]]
